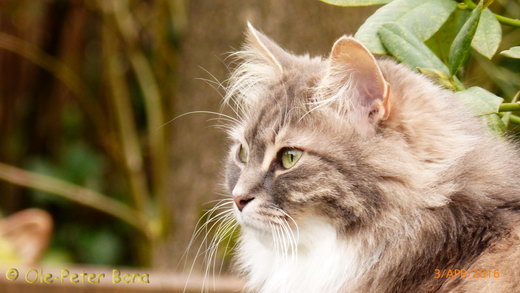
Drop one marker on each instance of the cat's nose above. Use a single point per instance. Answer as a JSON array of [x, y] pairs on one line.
[[242, 200]]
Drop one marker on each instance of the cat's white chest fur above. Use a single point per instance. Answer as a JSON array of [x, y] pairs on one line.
[[323, 263]]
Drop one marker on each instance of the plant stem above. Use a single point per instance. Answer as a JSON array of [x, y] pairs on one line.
[[507, 116], [508, 21], [502, 19], [512, 118], [74, 193], [509, 107]]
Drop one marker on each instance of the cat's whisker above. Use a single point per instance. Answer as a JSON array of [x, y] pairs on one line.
[[237, 107], [279, 242], [214, 85], [228, 127], [208, 252], [221, 203], [284, 235], [287, 228], [288, 245], [227, 198], [215, 80], [274, 237], [294, 222], [295, 240], [279, 247], [211, 219], [223, 128], [211, 253], [282, 243], [220, 218], [291, 249], [232, 232], [209, 81], [231, 226], [230, 123], [292, 242], [201, 112]]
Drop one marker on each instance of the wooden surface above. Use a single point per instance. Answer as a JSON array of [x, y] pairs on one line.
[[31, 280]]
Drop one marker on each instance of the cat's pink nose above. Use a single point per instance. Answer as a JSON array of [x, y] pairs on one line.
[[242, 200]]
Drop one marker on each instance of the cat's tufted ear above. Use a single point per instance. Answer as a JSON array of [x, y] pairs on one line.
[[352, 63], [266, 49]]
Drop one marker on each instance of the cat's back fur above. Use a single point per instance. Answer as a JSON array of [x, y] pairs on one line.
[[475, 172]]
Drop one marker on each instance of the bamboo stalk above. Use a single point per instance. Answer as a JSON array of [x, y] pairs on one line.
[[153, 103], [125, 121], [155, 119]]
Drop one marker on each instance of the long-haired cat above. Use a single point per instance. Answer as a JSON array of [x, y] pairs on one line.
[[353, 174]]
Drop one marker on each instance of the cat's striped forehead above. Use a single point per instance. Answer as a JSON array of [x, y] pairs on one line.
[[269, 108]]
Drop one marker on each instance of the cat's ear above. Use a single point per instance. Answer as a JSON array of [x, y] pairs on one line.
[[266, 49], [353, 63]]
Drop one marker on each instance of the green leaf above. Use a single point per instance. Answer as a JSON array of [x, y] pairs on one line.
[[488, 35], [356, 2], [460, 48], [485, 105], [440, 42], [480, 101], [407, 48], [494, 123], [422, 17], [513, 52]]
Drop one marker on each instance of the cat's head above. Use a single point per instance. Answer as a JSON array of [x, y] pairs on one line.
[[303, 125], [306, 140]]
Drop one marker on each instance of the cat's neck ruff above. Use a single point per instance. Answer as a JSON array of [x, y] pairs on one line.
[[324, 262]]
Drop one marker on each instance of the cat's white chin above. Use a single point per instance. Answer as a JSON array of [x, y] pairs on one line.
[[323, 262]]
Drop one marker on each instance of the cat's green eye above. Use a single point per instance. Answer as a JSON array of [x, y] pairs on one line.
[[290, 157], [242, 154]]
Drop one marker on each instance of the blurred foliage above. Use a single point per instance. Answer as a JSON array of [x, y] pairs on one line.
[[85, 88]]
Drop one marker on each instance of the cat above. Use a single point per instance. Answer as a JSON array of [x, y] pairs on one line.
[[353, 173]]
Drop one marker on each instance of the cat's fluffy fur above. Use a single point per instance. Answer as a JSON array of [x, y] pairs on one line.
[[393, 182]]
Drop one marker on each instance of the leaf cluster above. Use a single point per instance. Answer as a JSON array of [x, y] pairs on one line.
[[436, 38]]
